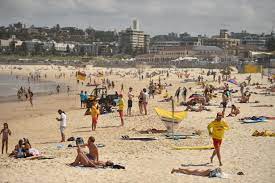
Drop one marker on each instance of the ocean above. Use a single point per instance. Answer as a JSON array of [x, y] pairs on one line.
[[9, 86]]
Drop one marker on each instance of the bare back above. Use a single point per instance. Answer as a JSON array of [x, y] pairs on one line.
[[93, 151]]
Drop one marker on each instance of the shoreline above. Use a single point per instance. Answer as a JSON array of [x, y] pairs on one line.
[[153, 159]]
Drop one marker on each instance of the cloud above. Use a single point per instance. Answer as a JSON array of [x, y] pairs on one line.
[[156, 17]]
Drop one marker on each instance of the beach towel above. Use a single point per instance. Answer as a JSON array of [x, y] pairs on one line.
[[138, 138], [192, 147], [233, 81], [254, 120]]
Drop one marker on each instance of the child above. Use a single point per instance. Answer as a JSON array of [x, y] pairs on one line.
[[94, 113], [218, 127], [121, 105], [5, 138]]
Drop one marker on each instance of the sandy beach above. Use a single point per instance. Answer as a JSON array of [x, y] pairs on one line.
[[144, 161]]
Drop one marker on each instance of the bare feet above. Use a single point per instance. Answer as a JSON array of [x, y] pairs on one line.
[[211, 159], [220, 163], [72, 164], [173, 170]]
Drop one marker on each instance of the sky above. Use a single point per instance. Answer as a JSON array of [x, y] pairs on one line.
[[155, 17]]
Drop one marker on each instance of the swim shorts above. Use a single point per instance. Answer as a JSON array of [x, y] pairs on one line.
[[130, 103], [217, 142], [94, 120], [62, 129]]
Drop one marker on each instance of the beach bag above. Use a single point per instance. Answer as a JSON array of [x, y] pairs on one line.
[[79, 141]]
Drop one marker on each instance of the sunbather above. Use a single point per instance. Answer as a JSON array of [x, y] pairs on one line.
[[245, 98], [196, 109], [234, 111], [217, 172], [90, 159]]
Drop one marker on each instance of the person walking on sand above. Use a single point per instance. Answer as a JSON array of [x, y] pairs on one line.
[[94, 113], [121, 105], [122, 88], [68, 90], [145, 99], [130, 101], [31, 98], [5, 137], [63, 124], [58, 89], [177, 94], [140, 99], [82, 98], [216, 130], [184, 93], [86, 97]]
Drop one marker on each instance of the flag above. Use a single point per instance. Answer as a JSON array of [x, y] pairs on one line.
[[81, 76]]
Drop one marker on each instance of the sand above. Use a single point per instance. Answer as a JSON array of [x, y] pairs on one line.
[[144, 161]]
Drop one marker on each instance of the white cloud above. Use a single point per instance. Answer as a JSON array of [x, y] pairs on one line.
[[162, 16]]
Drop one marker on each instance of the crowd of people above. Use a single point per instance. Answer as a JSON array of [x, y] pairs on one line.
[[195, 103]]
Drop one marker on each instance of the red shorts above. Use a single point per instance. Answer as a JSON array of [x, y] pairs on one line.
[[94, 120], [217, 143], [120, 113]]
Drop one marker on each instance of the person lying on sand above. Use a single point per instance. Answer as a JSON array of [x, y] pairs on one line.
[[217, 172], [266, 133], [234, 111], [196, 109]]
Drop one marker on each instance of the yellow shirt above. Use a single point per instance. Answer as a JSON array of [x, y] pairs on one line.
[[121, 104], [218, 128], [94, 111]]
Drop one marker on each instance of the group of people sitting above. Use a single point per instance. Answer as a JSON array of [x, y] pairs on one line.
[[91, 159], [24, 149]]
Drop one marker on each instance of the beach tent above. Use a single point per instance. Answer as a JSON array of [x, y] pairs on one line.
[[251, 68], [171, 119]]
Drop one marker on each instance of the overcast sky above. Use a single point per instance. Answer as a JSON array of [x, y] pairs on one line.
[[155, 16]]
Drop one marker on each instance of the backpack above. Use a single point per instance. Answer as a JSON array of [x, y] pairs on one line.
[[79, 141]]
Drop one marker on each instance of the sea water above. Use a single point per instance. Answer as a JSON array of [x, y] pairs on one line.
[[9, 85]]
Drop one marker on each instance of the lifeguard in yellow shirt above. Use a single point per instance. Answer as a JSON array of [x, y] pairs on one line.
[[94, 113], [216, 130], [121, 105]]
